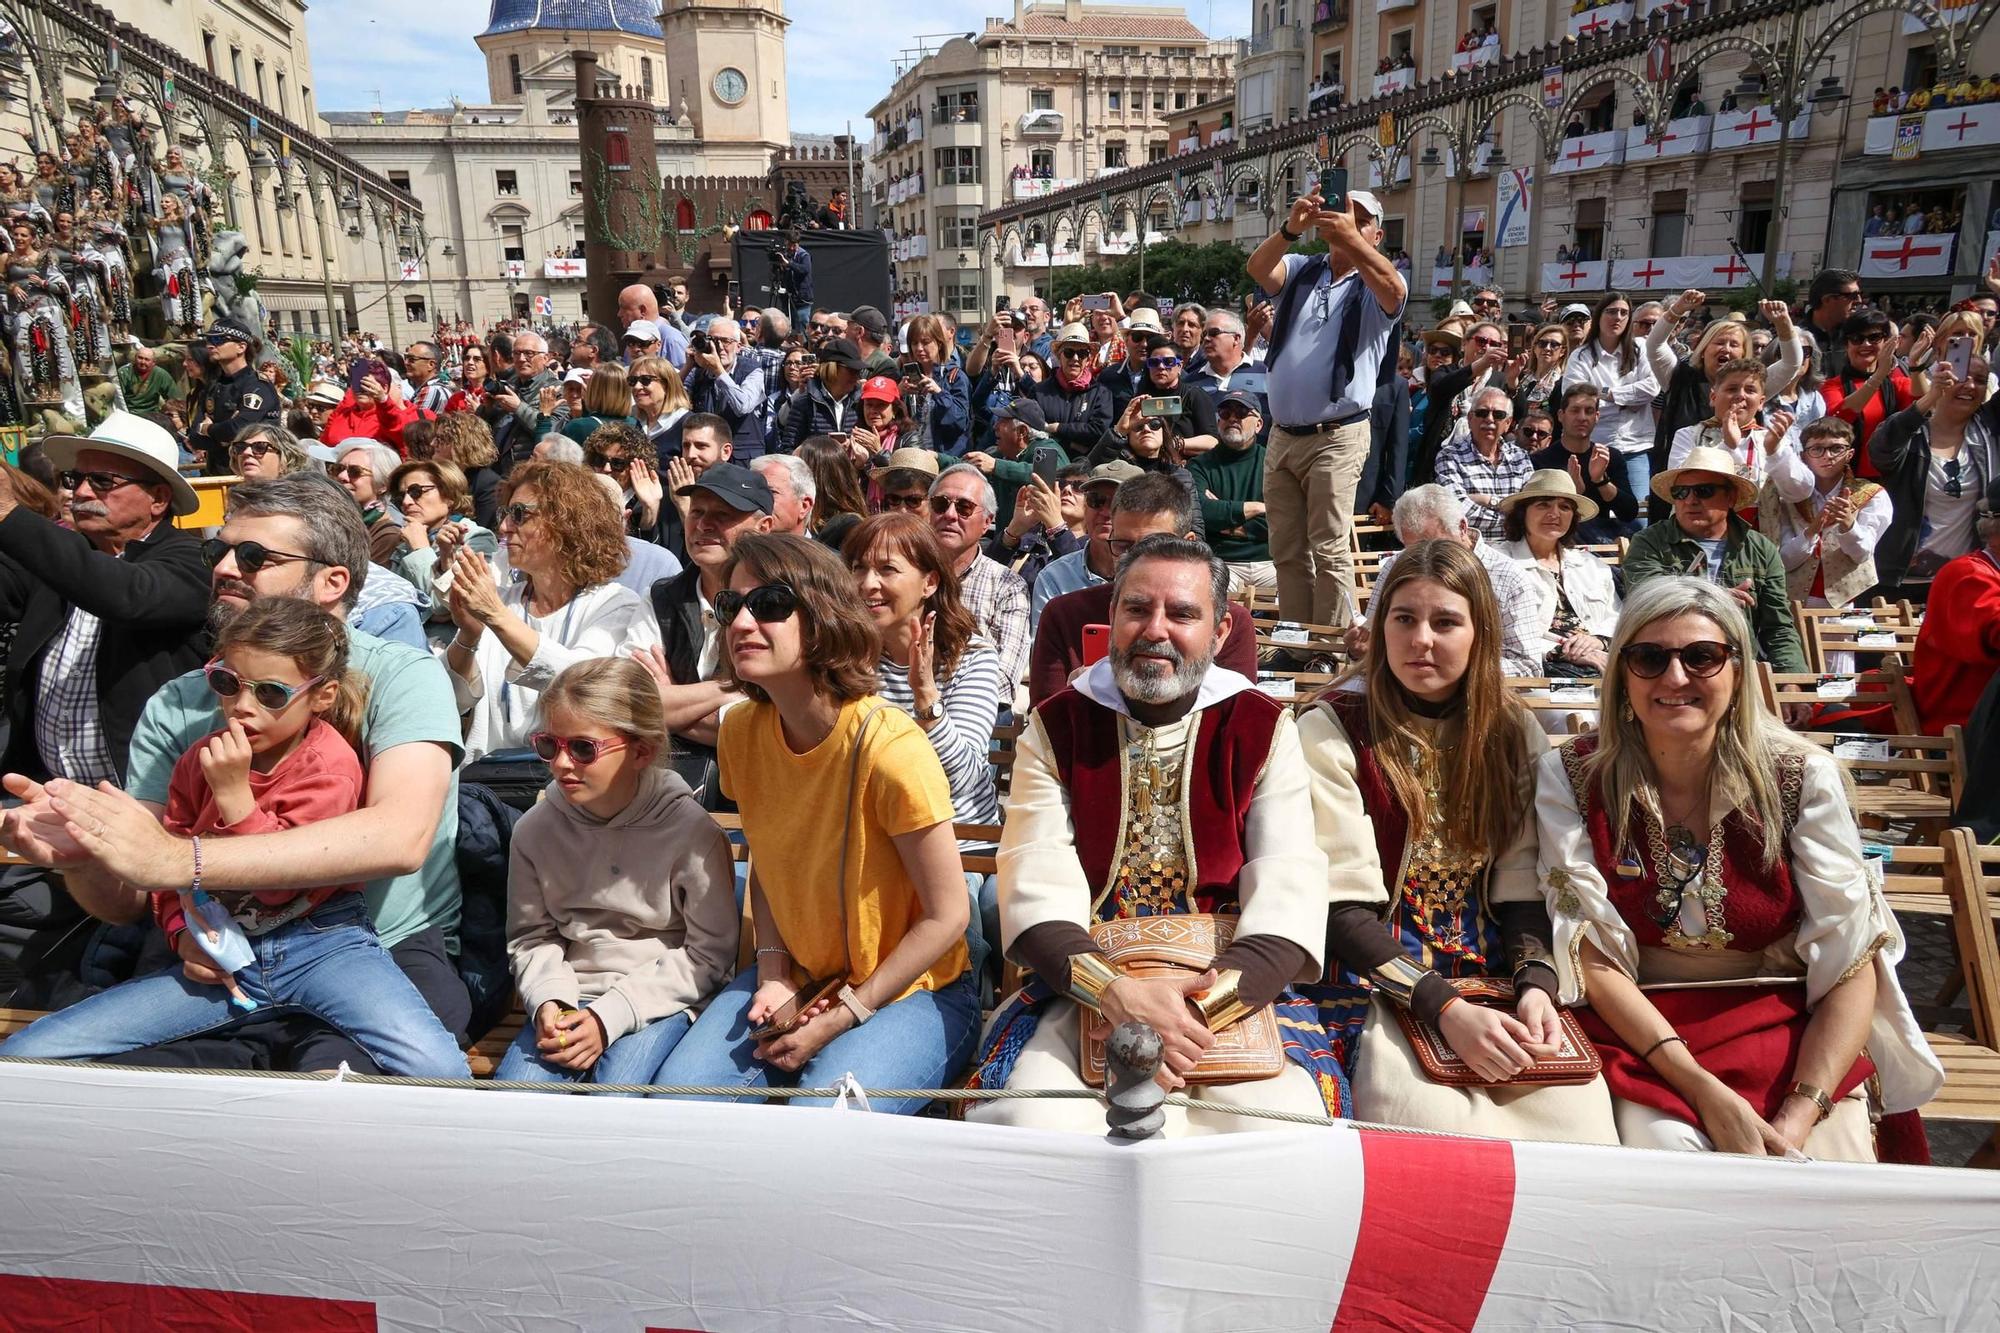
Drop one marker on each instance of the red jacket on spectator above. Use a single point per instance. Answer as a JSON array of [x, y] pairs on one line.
[[1958, 649], [1058, 647], [382, 420]]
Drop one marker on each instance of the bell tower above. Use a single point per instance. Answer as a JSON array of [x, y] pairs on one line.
[[726, 66]]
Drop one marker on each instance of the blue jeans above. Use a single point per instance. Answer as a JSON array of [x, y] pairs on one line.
[[328, 964], [1638, 483], [920, 1041], [633, 1058]]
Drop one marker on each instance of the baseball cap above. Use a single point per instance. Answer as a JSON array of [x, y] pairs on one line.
[[871, 319], [1026, 411], [1241, 399], [1117, 472], [577, 375], [642, 331], [1369, 203], [739, 487], [842, 352], [1573, 310], [880, 389]]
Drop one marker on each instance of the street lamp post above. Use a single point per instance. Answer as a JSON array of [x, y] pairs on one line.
[[1789, 101]]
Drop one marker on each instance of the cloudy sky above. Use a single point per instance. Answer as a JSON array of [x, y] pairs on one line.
[[840, 53]]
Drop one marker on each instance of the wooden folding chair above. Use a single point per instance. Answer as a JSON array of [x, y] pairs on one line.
[[1972, 1059]]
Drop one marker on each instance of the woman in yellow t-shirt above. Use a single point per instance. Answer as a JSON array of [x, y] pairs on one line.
[[854, 874]]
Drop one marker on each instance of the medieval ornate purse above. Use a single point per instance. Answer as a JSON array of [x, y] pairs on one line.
[[1162, 946], [1576, 1062]]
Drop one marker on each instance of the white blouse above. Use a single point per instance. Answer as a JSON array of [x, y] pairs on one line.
[[502, 701], [1593, 594], [1844, 919]]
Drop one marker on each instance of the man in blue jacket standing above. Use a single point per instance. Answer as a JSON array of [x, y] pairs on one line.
[[798, 277]]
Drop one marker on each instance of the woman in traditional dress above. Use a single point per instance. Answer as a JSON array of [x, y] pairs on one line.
[[1704, 873], [38, 318], [178, 180], [109, 242], [180, 297], [89, 335], [1422, 776]]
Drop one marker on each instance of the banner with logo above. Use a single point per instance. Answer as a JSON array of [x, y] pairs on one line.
[[1909, 142], [270, 1204], [1552, 86], [1515, 203]]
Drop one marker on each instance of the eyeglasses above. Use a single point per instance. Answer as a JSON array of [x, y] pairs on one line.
[[1490, 413], [1162, 362], [1215, 333], [250, 556], [251, 449], [1233, 412], [521, 353], [271, 695], [1830, 451], [1954, 479], [518, 513], [648, 380], [598, 462], [218, 339], [416, 490], [348, 471], [1854, 295], [1643, 324], [911, 503], [1075, 353], [1701, 659], [1528, 433], [1707, 490], [1686, 859], [1551, 345], [102, 483], [1486, 302], [428, 360], [1098, 499], [583, 751], [1869, 338], [944, 504], [767, 604]]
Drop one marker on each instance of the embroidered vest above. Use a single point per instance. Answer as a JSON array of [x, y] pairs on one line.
[[1846, 578], [1224, 759], [1437, 896], [1747, 907]]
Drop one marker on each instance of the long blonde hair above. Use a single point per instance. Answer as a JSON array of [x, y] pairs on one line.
[[617, 694], [1480, 787], [1749, 741]]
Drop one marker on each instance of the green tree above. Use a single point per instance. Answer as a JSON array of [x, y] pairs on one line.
[[1207, 274]]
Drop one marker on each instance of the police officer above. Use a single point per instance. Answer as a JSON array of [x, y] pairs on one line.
[[235, 396]]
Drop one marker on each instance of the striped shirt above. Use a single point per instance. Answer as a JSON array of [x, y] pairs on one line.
[[963, 737], [998, 601]]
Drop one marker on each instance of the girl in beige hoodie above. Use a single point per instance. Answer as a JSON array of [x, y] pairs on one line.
[[621, 896]]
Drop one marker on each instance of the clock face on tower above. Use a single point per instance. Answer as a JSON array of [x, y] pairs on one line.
[[730, 86]]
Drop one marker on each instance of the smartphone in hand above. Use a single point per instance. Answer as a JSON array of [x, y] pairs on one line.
[[1333, 188], [1958, 355]]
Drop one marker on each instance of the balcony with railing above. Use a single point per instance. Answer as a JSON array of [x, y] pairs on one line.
[[1323, 97], [1291, 37], [1037, 187], [956, 112], [1330, 15], [1478, 56], [1041, 124], [1395, 81]]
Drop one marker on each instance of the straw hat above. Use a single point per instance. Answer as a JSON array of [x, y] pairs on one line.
[[1707, 459], [136, 440], [1552, 483], [1074, 335]]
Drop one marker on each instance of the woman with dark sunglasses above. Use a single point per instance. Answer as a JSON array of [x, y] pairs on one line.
[[860, 908], [1936, 458], [436, 504], [562, 605], [1704, 874]]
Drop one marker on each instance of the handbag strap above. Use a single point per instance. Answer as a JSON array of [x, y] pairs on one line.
[[847, 819]]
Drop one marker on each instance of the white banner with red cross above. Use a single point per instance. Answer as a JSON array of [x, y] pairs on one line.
[[1757, 125], [1924, 256], [1681, 272], [143, 1201]]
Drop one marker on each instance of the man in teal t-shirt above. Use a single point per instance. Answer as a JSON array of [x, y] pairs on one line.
[[145, 383]]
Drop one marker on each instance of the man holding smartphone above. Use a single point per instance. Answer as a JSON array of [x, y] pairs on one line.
[[1334, 323]]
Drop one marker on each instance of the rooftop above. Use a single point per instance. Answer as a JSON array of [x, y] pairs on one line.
[[1097, 21], [639, 17]]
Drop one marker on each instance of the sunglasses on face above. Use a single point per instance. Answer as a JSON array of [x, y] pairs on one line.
[[348, 471], [597, 462], [1486, 302], [647, 380], [271, 695], [1871, 339], [518, 514], [1700, 659], [1530, 434], [415, 491], [1490, 413], [945, 504], [1097, 499], [1550, 345], [910, 503], [583, 751], [252, 449], [1707, 490], [768, 604], [1162, 362], [103, 483], [220, 339], [250, 556], [1075, 353], [1214, 333], [1854, 295]]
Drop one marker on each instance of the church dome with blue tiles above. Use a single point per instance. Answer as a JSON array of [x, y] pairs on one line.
[[638, 17]]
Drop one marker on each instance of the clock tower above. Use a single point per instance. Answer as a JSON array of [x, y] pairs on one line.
[[726, 66]]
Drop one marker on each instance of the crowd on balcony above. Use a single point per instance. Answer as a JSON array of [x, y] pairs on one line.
[[1893, 101], [1911, 219], [1043, 171], [1389, 64], [1479, 38], [1326, 94]]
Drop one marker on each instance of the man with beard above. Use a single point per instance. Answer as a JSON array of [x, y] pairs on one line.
[[1118, 816], [294, 536]]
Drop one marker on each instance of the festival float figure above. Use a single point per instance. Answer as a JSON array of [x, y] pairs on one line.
[[89, 336], [110, 244], [48, 184], [173, 262], [37, 320], [178, 179]]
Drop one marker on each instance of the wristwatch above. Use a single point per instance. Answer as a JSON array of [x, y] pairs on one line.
[[931, 714], [1288, 233]]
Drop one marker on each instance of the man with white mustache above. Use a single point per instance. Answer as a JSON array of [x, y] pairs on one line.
[[1116, 817]]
